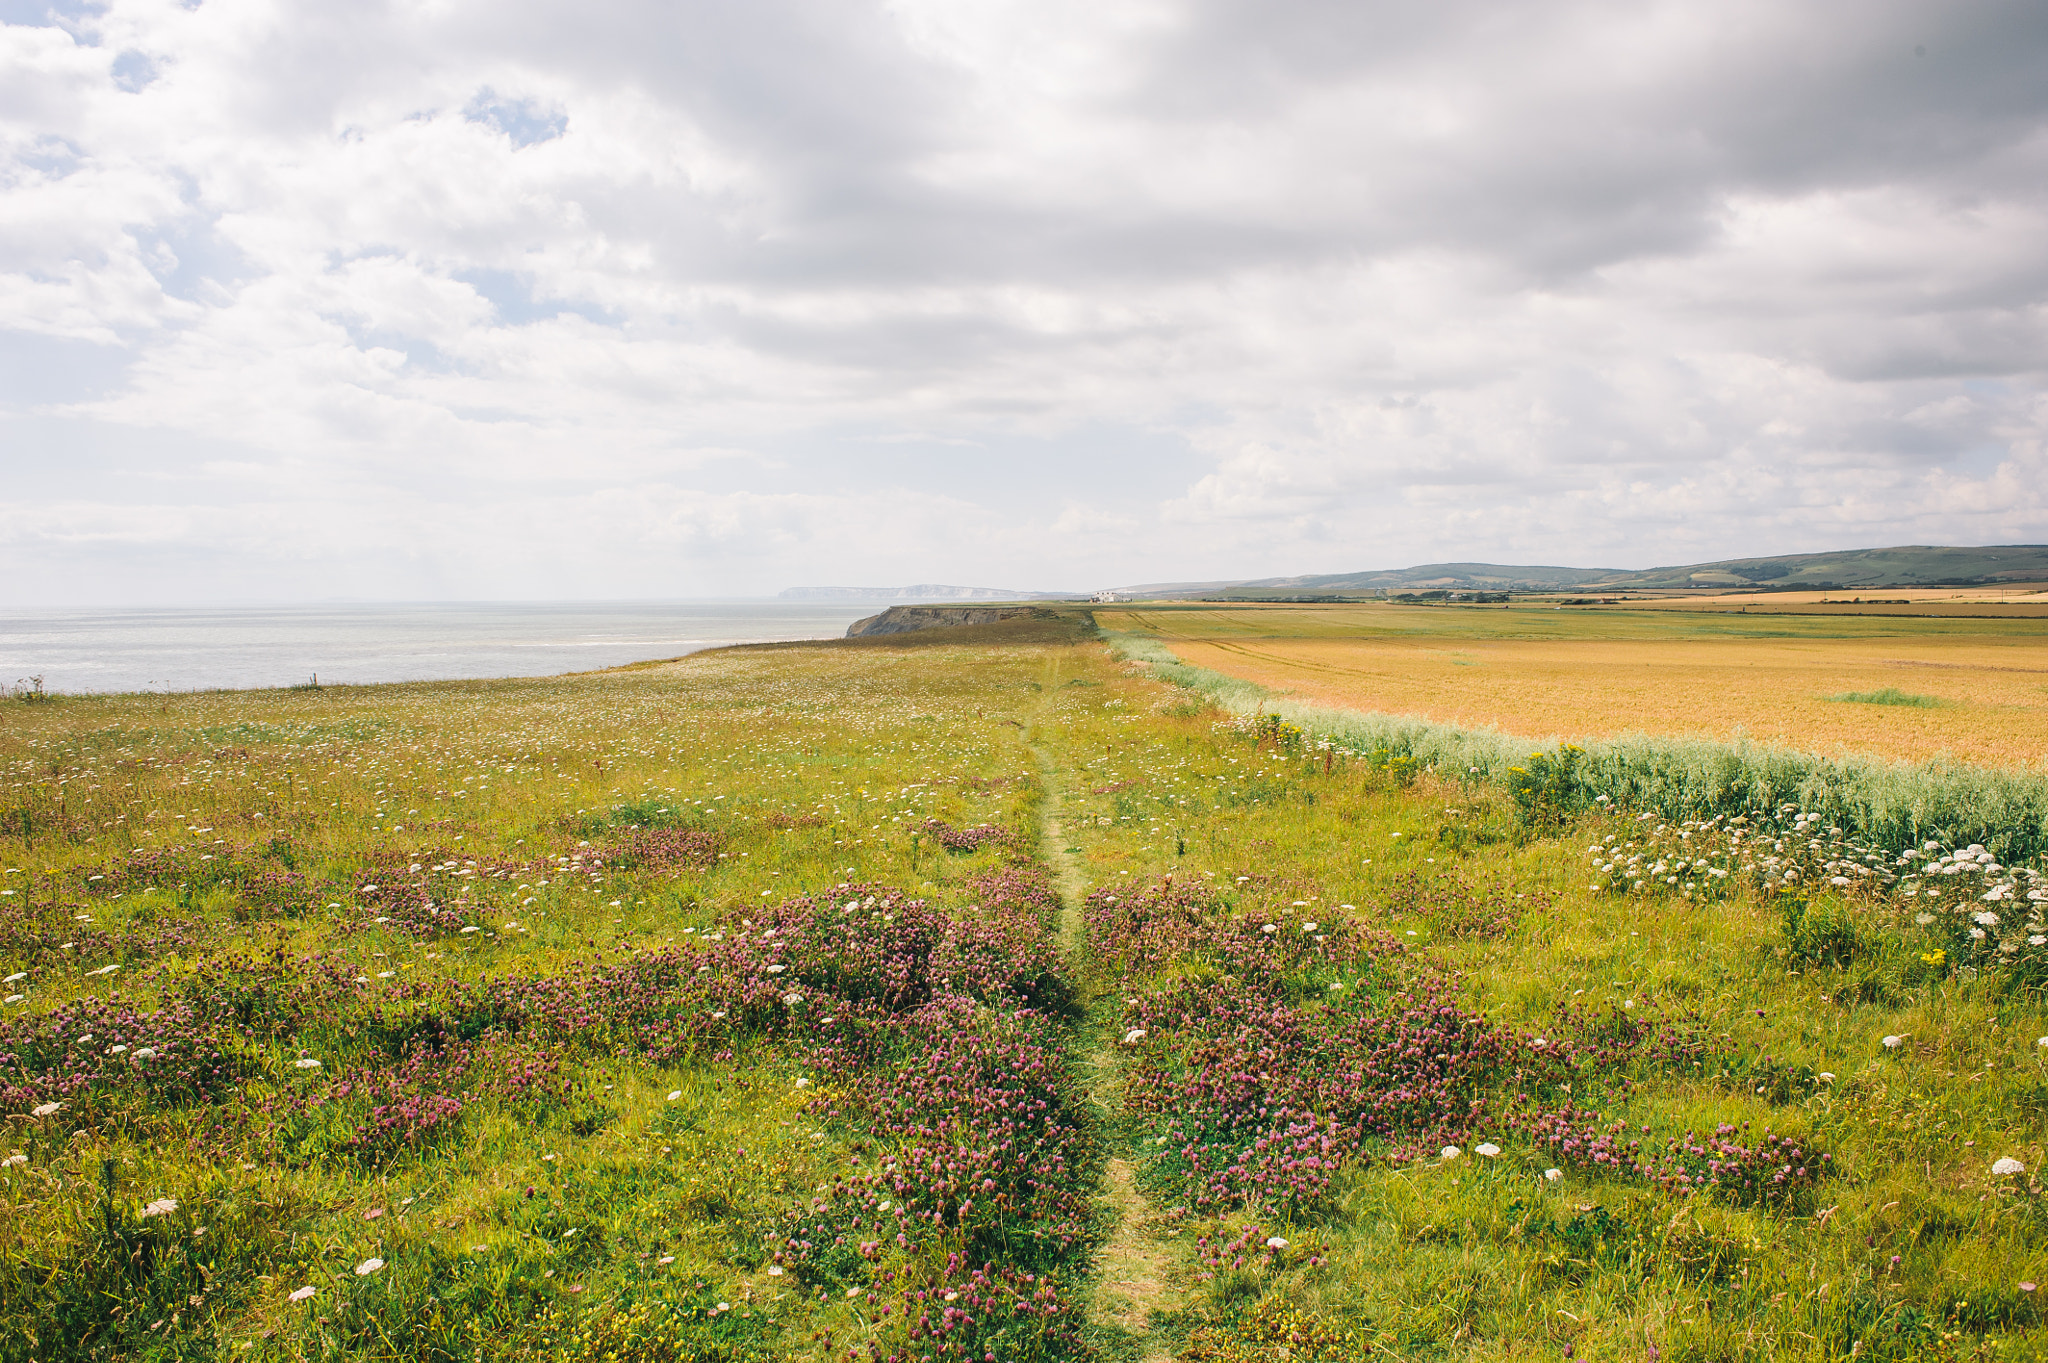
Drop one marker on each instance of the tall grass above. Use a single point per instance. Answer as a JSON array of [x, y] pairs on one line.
[[1893, 804]]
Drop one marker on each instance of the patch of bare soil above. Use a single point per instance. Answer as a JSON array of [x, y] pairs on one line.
[[1133, 1273]]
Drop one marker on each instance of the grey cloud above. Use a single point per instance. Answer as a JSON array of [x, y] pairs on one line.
[[1178, 290]]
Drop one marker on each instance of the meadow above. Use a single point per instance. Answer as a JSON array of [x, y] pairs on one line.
[[1695, 668], [990, 995]]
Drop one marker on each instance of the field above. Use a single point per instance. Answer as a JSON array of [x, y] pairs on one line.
[[1977, 688], [978, 995], [2017, 601]]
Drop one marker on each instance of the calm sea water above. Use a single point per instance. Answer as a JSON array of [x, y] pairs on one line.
[[198, 649]]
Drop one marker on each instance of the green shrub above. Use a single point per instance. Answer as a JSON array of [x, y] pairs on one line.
[[1819, 934], [1890, 695], [1547, 789]]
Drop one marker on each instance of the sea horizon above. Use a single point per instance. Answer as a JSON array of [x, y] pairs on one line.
[[111, 650]]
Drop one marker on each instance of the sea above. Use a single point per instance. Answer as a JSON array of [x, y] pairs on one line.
[[232, 647]]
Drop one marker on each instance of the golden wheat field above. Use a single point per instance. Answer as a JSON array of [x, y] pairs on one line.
[[2010, 601], [1973, 689]]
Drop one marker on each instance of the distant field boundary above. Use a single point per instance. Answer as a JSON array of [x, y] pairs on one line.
[[1893, 804]]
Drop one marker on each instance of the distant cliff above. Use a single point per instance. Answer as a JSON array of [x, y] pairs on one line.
[[905, 619], [924, 591]]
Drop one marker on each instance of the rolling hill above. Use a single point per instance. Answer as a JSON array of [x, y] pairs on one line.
[[1901, 566]]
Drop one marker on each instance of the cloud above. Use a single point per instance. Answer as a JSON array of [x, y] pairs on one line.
[[704, 297]]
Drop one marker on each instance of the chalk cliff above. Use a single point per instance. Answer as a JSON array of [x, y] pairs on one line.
[[904, 619]]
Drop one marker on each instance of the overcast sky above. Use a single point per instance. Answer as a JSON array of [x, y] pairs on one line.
[[513, 299]]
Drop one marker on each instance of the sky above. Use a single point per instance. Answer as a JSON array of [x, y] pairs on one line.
[[454, 300]]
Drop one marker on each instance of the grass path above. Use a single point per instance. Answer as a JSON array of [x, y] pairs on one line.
[[1132, 1269]]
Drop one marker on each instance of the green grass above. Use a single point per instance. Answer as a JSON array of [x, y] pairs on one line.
[[816, 766], [1890, 695]]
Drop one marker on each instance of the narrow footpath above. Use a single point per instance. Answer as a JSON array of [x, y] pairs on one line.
[[1132, 1270]]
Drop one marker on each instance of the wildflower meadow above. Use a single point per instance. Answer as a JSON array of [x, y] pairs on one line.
[[1001, 996]]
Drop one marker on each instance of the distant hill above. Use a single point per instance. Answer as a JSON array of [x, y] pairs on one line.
[[1492, 577], [1912, 565], [924, 591]]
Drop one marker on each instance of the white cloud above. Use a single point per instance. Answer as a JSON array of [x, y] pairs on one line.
[[674, 297]]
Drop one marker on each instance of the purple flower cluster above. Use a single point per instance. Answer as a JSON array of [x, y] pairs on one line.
[[269, 997], [434, 894], [663, 851], [929, 1031], [375, 1111], [1457, 908], [981, 1313], [984, 1141], [967, 839], [1586, 1040], [37, 931], [832, 967], [1775, 1170], [409, 905], [146, 866], [1221, 1251], [1264, 1087], [1024, 889], [260, 877], [409, 1101], [35, 934], [922, 1035], [667, 1006], [1261, 1100], [1142, 929], [95, 1050], [864, 944]]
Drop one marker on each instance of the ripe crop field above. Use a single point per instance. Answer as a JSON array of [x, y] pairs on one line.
[[1977, 689], [971, 1000]]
